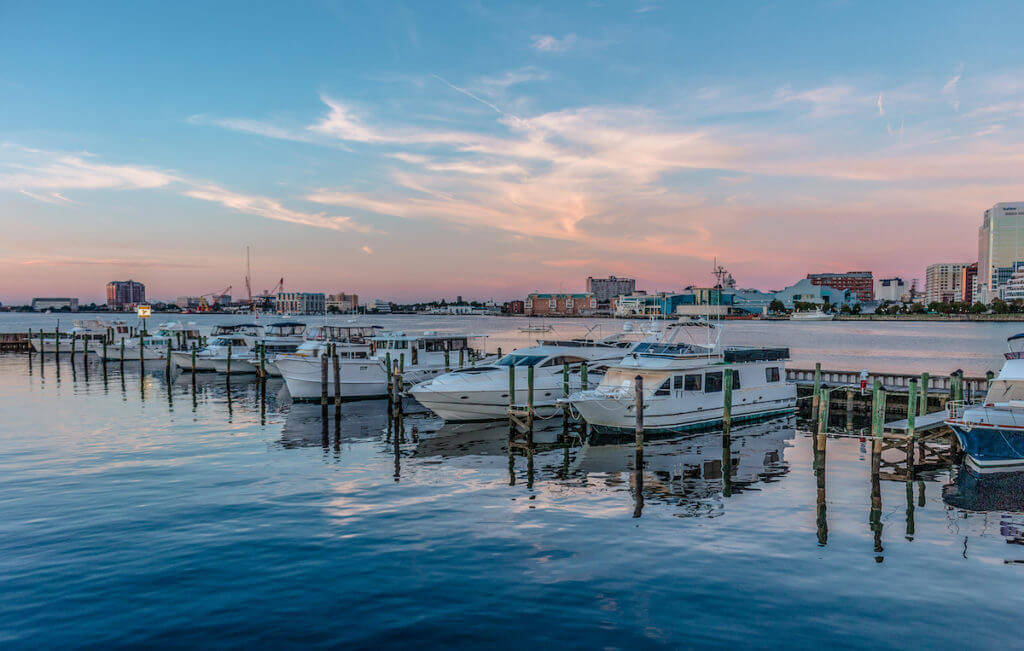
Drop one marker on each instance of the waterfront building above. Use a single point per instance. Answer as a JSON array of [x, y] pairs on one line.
[[517, 307], [894, 290], [187, 302], [860, 282], [378, 306], [639, 304], [43, 304], [806, 291], [969, 282], [1013, 288], [942, 282], [1000, 244], [605, 289], [125, 294], [538, 304], [342, 302], [301, 303]]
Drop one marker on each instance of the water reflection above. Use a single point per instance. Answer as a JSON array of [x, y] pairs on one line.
[[305, 427]]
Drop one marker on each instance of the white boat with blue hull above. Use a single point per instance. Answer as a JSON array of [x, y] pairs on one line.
[[991, 433], [683, 388]]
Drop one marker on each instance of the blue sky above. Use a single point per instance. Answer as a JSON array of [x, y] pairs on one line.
[[408, 150]]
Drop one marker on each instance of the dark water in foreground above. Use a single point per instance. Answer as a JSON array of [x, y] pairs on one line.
[[130, 515]]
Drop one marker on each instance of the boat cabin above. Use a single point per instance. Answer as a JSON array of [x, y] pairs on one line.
[[286, 329], [247, 329]]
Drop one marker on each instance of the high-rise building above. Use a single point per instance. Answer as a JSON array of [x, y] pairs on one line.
[[942, 282], [968, 282], [1000, 244], [123, 294], [301, 303], [605, 289], [890, 289], [859, 282]]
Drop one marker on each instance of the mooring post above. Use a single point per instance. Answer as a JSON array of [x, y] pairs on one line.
[[168, 371], [142, 350], [583, 376], [849, 410], [911, 423], [815, 397], [447, 360], [263, 362], [337, 387], [924, 394], [74, 344], [565, 390], [726, 399], [387, 364], [877, 410], [638, 396], [229, 357], [401, 363], [29, 340], [823, 412], [511, 386], [122, 351], [499, 352], [42, 344], [193, 362], [529, 404], [462, 357], [323, 385], [104, 351]]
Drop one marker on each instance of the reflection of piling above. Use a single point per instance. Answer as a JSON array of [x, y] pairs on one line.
[[875, 517], [638, 482], [910, 511], [122, 352], [337, 388], [638, 383], [323, 386], [819, 475], [815, 396], [911, 422], [726, 463], [229, 357], [825, 401], [727, 379]]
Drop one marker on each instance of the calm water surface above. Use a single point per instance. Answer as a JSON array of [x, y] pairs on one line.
[[132, 513]]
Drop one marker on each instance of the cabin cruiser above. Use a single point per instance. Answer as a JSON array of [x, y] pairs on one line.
[[154, 346], [238, 338], [421, 356], [303, 364], [281, 337], [815, 315], [991, 434], [683, 387], [482, 392], [82, 330]]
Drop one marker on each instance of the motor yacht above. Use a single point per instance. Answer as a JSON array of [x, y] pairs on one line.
[[991, 433], [421, 356], [815, 315], [303, 364], [239, 338], [154, 345], [83, 330], [281, 337], [482, 392], [683, 387]]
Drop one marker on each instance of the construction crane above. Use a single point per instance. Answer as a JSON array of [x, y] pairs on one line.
[[265, 299], [206, 306]]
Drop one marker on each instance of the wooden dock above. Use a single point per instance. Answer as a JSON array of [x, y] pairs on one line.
[[926, 423]]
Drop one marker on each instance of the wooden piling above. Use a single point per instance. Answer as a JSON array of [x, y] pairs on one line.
[[193, 362], [462, 357], [323, 385], [726, 399], [74, 345], [122, 351], [142, 350], [447, 361], [499, 352], [229, 358], [168, 361], [815, 397], [401, 363], [923, 411], [104, 351], [849, 410], [511, 386], [529, 403], [387, 364], [337, 386], [583, 376], [638, 397], [877, 410]]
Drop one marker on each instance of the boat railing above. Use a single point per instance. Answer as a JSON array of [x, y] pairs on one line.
[[955, 408]]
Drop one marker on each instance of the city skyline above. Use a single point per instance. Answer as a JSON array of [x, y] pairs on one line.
[[491, 151]]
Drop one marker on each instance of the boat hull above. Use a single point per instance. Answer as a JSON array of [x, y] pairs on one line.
[[132, 354], [470, 406], [610, 416], [183, 359], [238, 366], [359, 379], [990, 448]]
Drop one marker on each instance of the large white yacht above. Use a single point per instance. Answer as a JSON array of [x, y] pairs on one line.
[[421, 356], [683, 387], [351, 342], [240, 338], [154, 346], [281, 337], [93, 330], [482, 392]]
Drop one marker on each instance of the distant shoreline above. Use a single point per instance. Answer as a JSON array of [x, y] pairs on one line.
[[930, 317]]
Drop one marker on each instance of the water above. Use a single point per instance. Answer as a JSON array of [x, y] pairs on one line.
[[132, 515]]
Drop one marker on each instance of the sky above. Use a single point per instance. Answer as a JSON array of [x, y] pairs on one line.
[[417, 150]]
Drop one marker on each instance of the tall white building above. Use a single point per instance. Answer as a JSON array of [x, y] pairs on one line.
[[1000, 244], [942, 282], [890, 289]]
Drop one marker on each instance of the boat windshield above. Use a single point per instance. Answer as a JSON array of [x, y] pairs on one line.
[[520, 360], [1005, 391]]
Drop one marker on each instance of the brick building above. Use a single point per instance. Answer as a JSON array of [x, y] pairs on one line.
[[559, 304], [860, 283]]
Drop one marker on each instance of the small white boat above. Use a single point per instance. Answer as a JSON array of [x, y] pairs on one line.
[[991, 433], [537, 328], [422, 356], [683, 388], [154, 346], [482, 392], [238, 338], [815, 315], [85, 332]]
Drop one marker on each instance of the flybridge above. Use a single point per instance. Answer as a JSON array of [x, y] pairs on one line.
[[738, 355]]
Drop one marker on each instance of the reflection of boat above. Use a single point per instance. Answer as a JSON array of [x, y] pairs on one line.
[[478, 438], [992, 433], [304, 426], [974, 492], [816, 315], [482, 392], [683, 387]]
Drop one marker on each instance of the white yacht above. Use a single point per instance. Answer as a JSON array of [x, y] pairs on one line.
[[351, 342], [420, 355], [281, 337], [815, 315], [482, 392], [93, 330], [240, 338], [154, 346], [683, 387]]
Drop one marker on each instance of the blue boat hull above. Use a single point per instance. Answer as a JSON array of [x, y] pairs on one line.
[[992, 449]]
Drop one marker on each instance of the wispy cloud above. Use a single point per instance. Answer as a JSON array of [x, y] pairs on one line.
[[881, 107], [549, 43], [141, 263], [951, 89], [271, 209]]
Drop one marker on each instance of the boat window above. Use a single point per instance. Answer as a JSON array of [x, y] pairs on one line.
[[520, 360], [771, 374], [665, 389], [712, 382], [692, 382], [677, 382]]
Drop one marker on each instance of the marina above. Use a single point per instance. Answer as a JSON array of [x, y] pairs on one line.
[[835, 490]]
